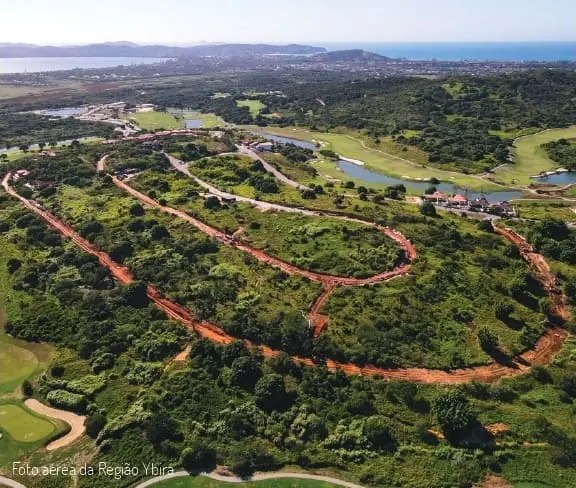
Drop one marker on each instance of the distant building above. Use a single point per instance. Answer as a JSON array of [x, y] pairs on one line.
[[437, 197], [458, 200]]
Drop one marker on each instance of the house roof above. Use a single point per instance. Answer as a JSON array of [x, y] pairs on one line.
[[459, 198]]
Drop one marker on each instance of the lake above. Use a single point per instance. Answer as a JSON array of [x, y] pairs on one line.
[[36, 65], [193, 123], [566, 178], [356, 171], [286, 140]]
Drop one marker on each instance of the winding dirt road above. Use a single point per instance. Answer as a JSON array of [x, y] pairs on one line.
[[546, 348], [318, 321]]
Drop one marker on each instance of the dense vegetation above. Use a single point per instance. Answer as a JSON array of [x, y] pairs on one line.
[[563, 152], [23, 130]]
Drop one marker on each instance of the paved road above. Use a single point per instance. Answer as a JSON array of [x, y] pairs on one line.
[[271, 169], [10, 483], [256, 477], [183, 168]]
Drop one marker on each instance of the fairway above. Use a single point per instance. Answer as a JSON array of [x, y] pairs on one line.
[[531, 158], [156, 120], [22, 425], [255, 106], [351, 146], [204, 482], [16, 364]]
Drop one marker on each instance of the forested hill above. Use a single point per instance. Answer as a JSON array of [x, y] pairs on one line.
[[350, 55], [127, 49]]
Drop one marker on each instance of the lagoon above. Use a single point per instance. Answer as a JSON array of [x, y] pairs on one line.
[[565, 178]]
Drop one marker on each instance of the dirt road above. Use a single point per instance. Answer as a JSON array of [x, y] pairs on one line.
[[545, 350]]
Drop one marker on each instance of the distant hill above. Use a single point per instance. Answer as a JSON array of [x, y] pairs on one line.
[[128, 49], [350, 55]]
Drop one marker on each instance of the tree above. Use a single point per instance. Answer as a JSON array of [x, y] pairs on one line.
[[135, 294], [245, 372], [378, 433], [27, 389], [137, 210], [503, 310], [270, 393], [453, 413], [159, 232], [428, 209], [198, 458], [161, 427], [488, 340], [212, 203], [13, 265], [94, 424]]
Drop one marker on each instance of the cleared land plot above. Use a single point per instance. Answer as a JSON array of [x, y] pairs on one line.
[[255, 106], [23, 425], [531, 158], [156, 120], [382, 162]]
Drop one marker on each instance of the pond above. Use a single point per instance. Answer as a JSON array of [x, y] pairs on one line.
[[193, 123], [62, 112], [286, 140], [356, 171], [566, 178], [361, 173]]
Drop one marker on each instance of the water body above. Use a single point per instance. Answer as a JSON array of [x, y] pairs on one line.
[[558, 179], [37, 65], [462, 51], [286, 140], [193, 123], [361, 173], [356, 171], [62, 112]]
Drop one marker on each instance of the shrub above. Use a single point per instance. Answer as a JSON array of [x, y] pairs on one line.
[[199, 457], [94, 424], [428, 209], [65, 399]]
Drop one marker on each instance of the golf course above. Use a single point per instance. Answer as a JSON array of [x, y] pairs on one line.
[[530, 158]]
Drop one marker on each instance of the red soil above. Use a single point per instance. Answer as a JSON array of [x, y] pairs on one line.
[[546, 348]]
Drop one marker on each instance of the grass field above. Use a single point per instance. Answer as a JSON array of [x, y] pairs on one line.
[[383, 160], [530, 158], [24, 425], [204, 482], [156, 120], [255, 106], [546, 209]]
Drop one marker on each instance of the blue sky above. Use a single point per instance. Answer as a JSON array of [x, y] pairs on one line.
[[189, 21]]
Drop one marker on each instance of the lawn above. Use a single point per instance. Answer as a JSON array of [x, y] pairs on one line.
[[204, 482], [209, 120], [156, 120], [255, 106], [546, 209], [530, 157], [23, 425], [16, 364], [383, 160]]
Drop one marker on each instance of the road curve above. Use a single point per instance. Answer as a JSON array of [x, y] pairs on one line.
[[271, 169], [544, 351], [256, 477], [10, 483]]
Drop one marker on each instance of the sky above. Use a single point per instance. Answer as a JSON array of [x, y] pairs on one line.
[[281, 21]]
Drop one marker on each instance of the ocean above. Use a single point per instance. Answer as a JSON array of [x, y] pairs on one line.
[[35, 65], [461, 51]]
